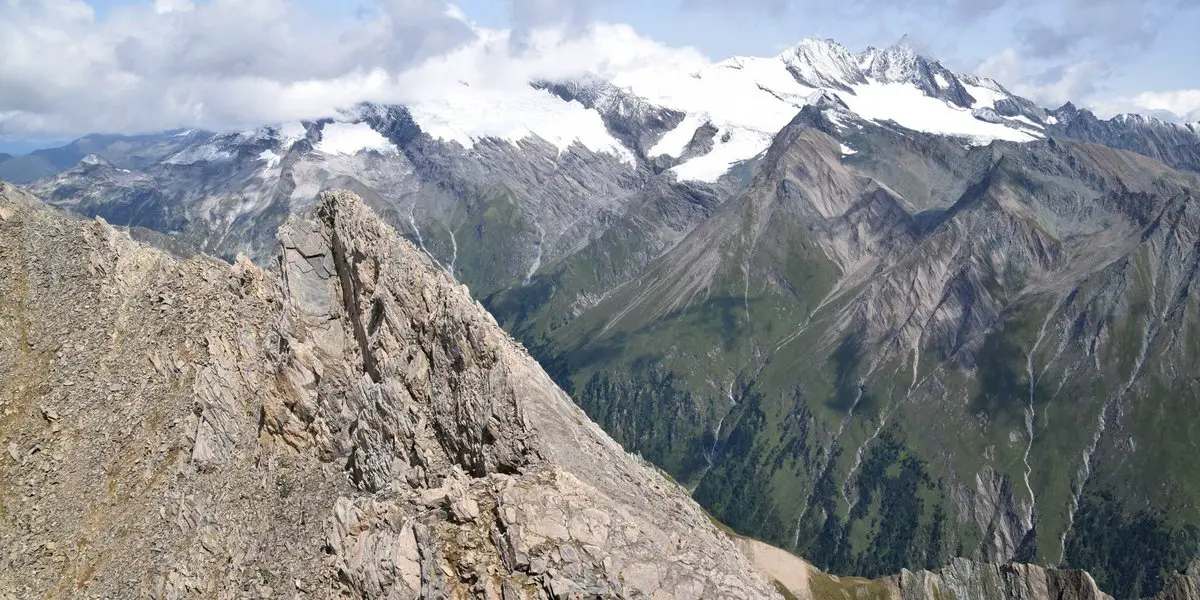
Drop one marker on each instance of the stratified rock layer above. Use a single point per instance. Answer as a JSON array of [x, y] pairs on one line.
[[358, 427]]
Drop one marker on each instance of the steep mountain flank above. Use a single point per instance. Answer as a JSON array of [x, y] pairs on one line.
[[492, 216], [358, 427], [891, 349]]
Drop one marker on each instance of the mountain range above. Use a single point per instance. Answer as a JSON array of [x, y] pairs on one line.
[[873, 311], [196, 428]]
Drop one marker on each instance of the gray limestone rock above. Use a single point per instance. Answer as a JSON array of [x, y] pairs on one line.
[[356, 427]]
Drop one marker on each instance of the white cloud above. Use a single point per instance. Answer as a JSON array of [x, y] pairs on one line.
[[1051, 87], [169, 6], [1048, 86], [1005, 67], [233, 64], [1183, 105], [229, 64], [1073, 82], [67, 10]]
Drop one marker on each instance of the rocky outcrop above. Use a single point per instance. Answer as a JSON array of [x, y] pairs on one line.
[[962, 579], [356, 427], [1184, 585]]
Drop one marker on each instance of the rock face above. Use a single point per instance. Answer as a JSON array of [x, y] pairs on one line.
[[962, 579], [358, 427], [966, 580]]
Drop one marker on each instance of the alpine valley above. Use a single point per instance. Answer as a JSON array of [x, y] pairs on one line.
[[877, 313]]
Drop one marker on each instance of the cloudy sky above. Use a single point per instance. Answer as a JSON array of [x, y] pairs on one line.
[[71, 67]]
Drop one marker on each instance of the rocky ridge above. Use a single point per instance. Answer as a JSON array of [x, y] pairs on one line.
[[358, 427]]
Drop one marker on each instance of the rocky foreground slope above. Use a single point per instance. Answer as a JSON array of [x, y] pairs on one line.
[[354, 427], [359, 427]]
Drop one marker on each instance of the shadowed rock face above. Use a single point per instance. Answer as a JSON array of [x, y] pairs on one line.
[[358, 427]]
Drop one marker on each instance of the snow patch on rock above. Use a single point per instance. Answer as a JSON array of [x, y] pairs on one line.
[[910, 108], [208, 152], [747, 99], [674, 142], [985, 97], [270, 157], [732, 147]]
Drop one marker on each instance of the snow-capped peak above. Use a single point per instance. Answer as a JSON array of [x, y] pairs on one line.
[[734, 107], [905, 46], [822, 63], [747, 100], [1134, 119], [896, 63]]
